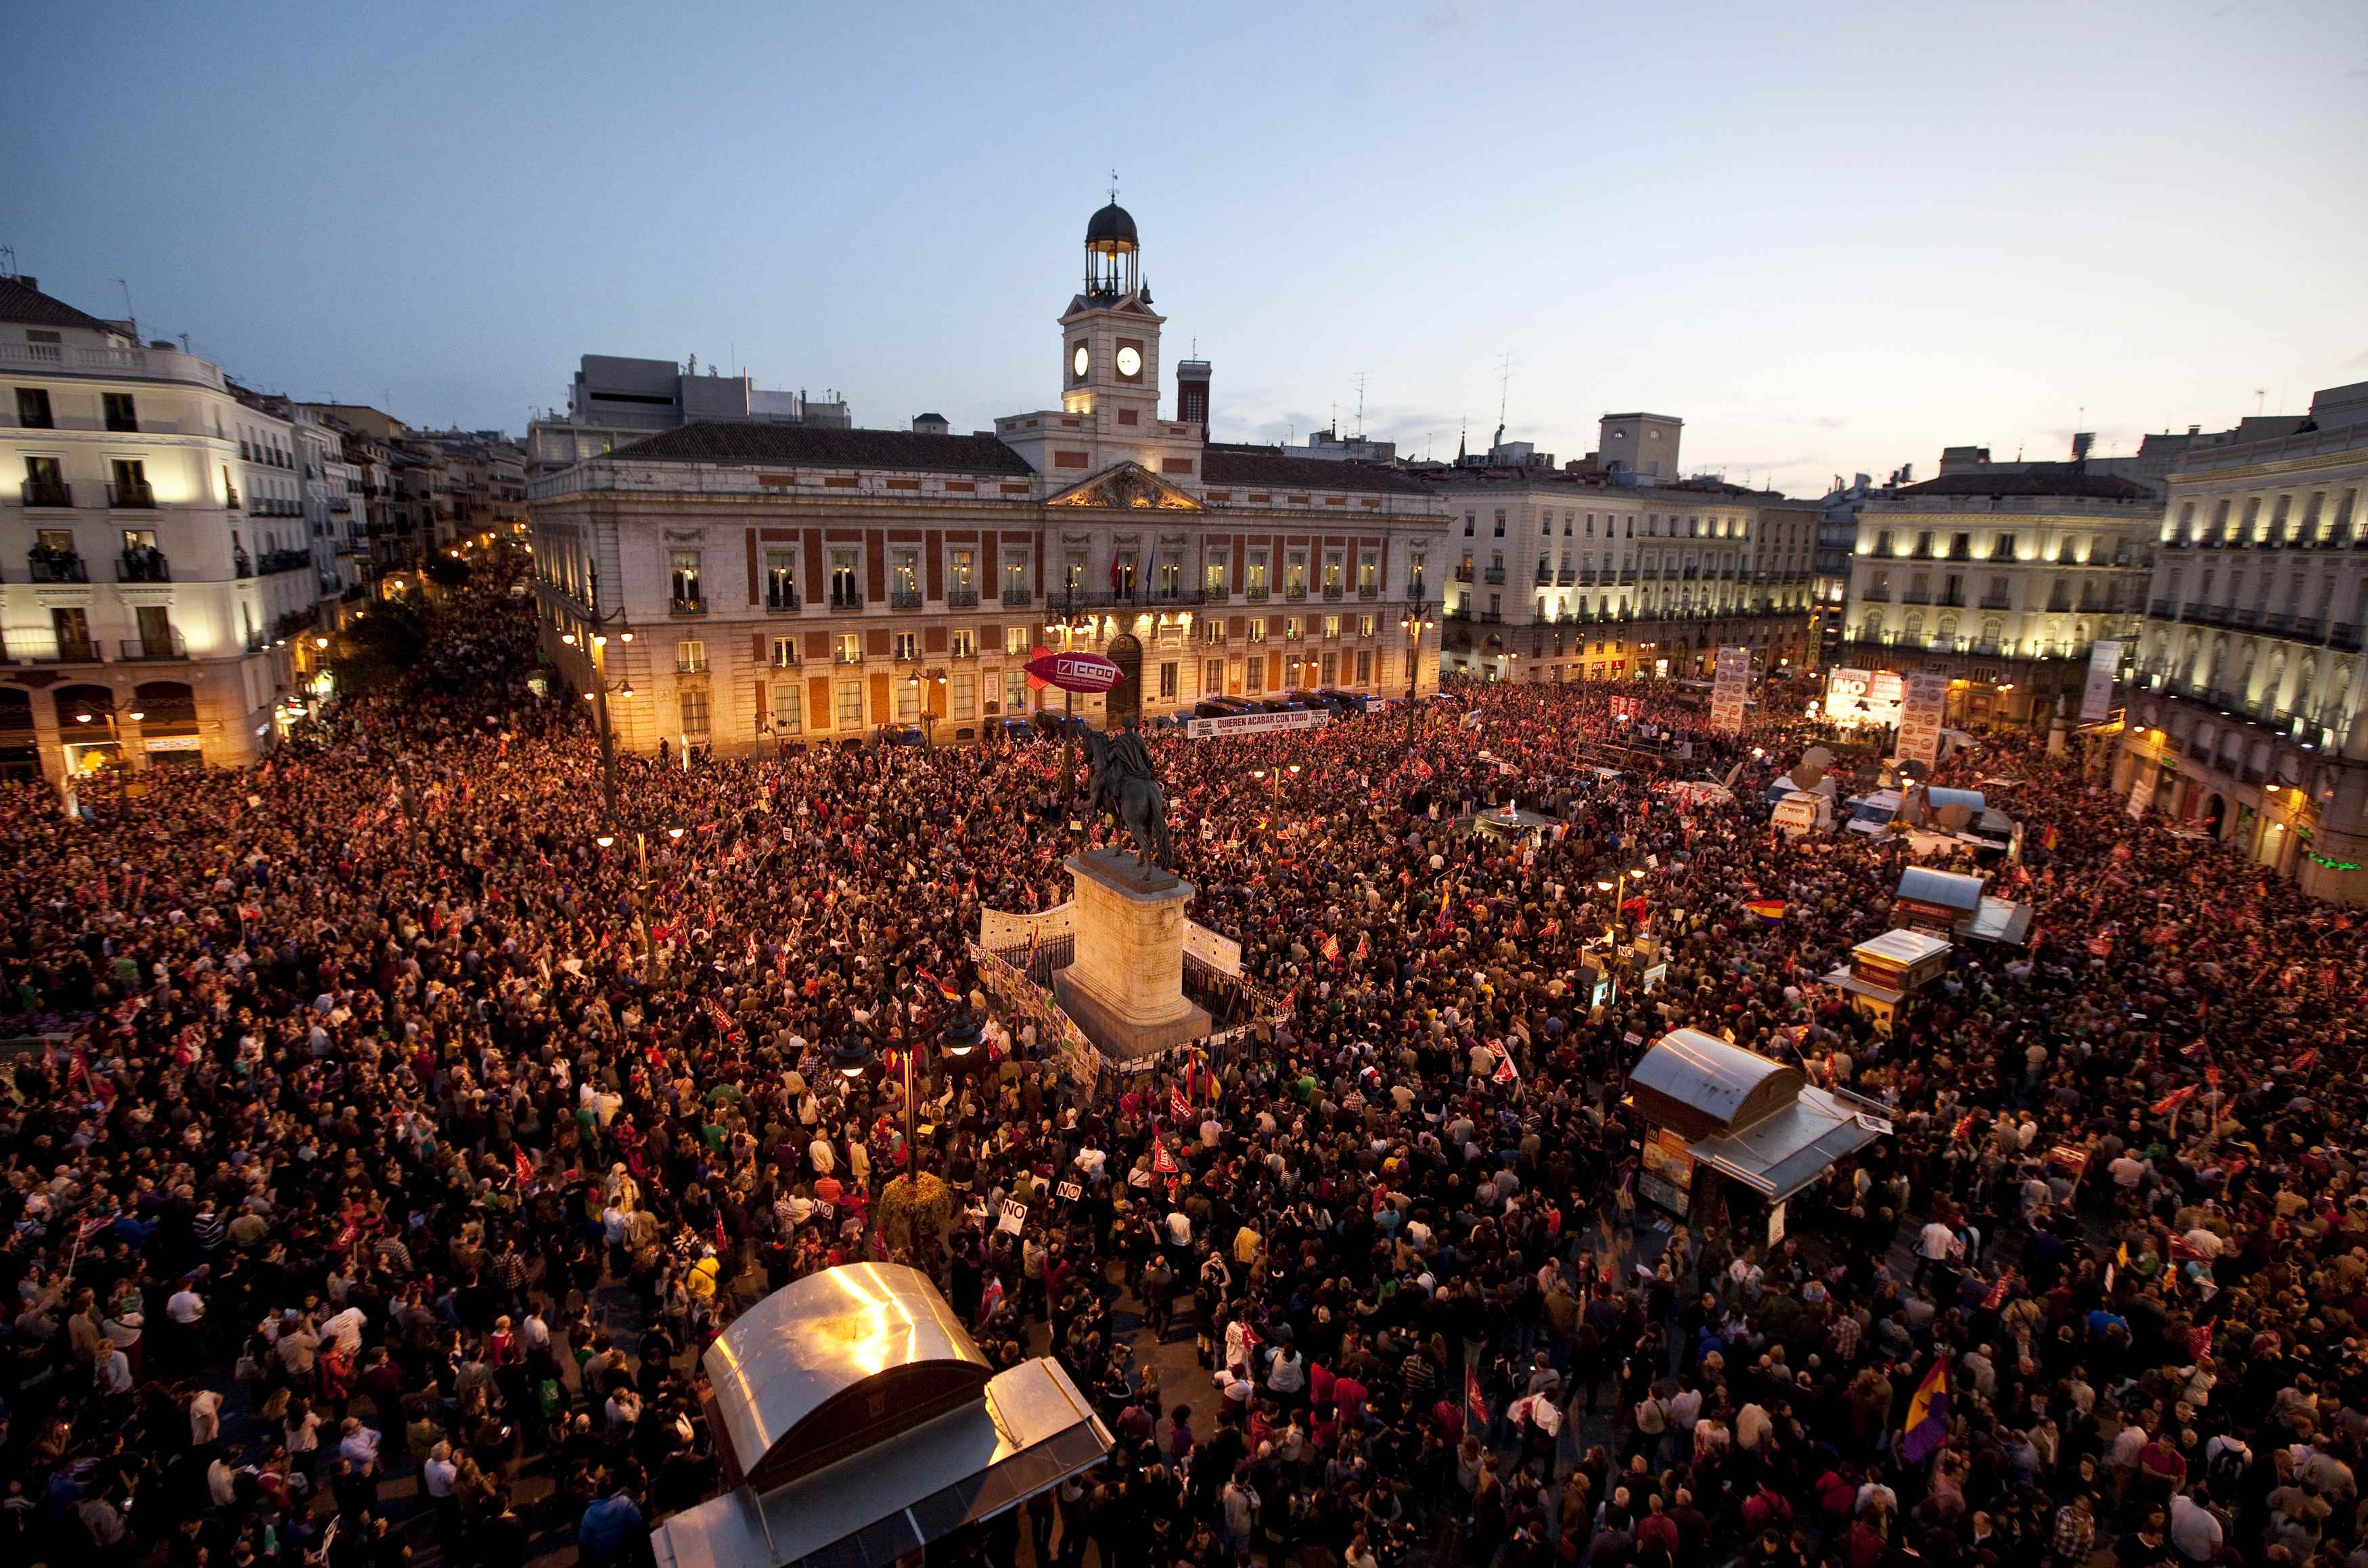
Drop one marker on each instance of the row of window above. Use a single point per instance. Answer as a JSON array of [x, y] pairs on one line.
[[2286, 523], [2063, 549], [2297, 585], [686, 573], [1697, 526]]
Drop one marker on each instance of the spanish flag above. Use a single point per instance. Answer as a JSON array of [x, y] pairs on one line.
[[1928, 1416], [1769, 909]]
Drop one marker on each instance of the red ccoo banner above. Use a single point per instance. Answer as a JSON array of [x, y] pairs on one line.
[[1076, 672]]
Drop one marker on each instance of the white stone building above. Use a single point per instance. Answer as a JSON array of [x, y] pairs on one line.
[[2246, 718], [152, 552], [791, 584]]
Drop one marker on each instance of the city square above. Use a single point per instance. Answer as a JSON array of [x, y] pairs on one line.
[[719, 985]]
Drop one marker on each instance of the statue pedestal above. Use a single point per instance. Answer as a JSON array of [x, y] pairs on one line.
[[1125, 987]]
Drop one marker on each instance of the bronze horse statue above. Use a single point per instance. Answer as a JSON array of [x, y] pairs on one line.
[[1123, 786]]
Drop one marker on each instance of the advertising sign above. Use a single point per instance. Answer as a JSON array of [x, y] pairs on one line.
[[1863, 696], [1076, 672], [1037, 682], [1730, 689], [2097, 696], [1920, 717], [1256, 724]]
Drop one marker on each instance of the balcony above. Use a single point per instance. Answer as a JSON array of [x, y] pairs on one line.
[[781, 600], [240, 565], [55, 566], [73, 651], [2160, 609], [2344, 637], [136, 496], [168, 646], [961, 599], [1997, 601], [1017, 597], [1950, 601], [1494, 574], [276, 560], [1299, 590], [1917, 596], [1333, 591], [903, 598], [47, 492], [848, 656], [2245, 619], [2279, 621], [2310, 628], [1369, 591], [142, 566], [1876, 594], [1256, 592], [1463, 574], [784, 658], [678, 604]]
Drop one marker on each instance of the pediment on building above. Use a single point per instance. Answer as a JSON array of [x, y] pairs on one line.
[[1128, 486]]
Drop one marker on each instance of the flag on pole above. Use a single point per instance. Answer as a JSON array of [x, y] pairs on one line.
[[2305, 1061], [1769, 909], [1162, 1162], [1179, 1102], [525, 1169], [1505, 1072], [1476, 1402], [1928, 1416], [1364, 946], [1331, 948], [2169, 1105]]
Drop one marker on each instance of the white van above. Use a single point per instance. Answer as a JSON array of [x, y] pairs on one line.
[[1872, 814], [1802, 811]]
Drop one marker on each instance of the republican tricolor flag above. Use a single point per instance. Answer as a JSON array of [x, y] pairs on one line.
[[1928, 1416], [1769, 909]]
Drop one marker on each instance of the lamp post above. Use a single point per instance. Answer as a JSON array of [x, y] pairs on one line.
[[114, 735], [1617, 889], [958, 1036], [1071, 626], [921, 683], [593, 644], [1415, 622]]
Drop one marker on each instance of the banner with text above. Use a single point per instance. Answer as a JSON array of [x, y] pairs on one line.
[[2104, 664], [999, 931], [1220, 953], [1923, 708], [1730, 689], [1256, 724]]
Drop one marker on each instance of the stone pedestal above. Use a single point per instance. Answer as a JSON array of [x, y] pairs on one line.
[[1125, 987]]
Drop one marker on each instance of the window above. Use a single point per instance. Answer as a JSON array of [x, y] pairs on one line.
[[1331, 626], [1500, 522], [781, 580], [1254, 677], [694, 714], [1883, 542], [1331, 668], [1254, 581], [908, 646], [682, 573], [964, 685], [1414, 574], [120, 413], [785, 653], [33, 408], [1295, 573], [1212, 631], [849, 699], [71, 626], [1469, 519], [689, 656], [849, 649], [962, 573], [1171, 575], [1074, 571], [788, 713], [1366, 624], [1015, 576], [1015, 641], [1292, 630], [1257, 633], [1364, 667], [844, 592], [965, 642], [1015, 691], [131, 484], [1213, 575], [1168, 681], [908, 702], [1213, 677], [904, 579]]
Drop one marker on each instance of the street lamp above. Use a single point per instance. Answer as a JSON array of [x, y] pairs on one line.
[[601, 689], [1414, 623], [919, 682], [1617, 888]]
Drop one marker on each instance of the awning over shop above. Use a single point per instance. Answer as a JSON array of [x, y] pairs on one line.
[[1953, 891], [2002, 920], [1780, 1154]]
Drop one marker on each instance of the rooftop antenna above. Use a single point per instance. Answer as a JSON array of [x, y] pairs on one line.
[[7, 261], [1361, 377], [1113, 186], [2261, 395], [1504, 391], [129, 313]]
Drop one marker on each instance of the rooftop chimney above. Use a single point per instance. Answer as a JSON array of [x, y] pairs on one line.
[[2080, 444], [1192, 393]]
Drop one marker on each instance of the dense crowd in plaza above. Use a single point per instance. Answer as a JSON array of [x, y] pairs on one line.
[[399, 1138]]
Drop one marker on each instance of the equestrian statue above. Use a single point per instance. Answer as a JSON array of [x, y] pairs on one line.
[[1123, 785]]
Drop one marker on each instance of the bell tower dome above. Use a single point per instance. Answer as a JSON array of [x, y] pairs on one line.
[[1113, 254], [1109, 334]]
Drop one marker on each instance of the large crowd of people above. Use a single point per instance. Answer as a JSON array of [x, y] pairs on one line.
[[402, 1127]]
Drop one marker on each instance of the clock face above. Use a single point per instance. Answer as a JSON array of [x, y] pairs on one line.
[[1130, 363], [1080, 360]]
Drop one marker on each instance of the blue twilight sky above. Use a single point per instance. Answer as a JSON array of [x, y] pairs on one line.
[[1831, 237]]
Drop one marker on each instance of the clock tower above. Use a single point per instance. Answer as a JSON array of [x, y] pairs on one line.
[[1109, 334]]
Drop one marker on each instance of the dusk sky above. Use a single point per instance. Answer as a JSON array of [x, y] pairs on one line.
[[1830, 238]]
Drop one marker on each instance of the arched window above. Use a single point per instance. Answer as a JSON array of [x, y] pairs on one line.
[[1871, 629], [1993, 631], [1911, 630], [1948, 633]]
